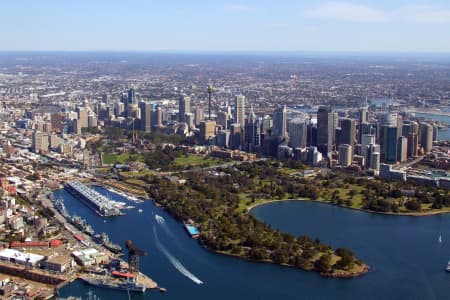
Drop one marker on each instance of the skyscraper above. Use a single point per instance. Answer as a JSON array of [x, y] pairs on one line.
[[252, 132], [279, 122], [239, 110], [145, 121], [297, 133], [426, 136], [325, 130], [184, 106], [345, 155], [132, 96], [348, 131]]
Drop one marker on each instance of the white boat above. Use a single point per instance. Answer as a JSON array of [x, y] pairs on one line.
[[440, 239], [140, 210], [448, 267]]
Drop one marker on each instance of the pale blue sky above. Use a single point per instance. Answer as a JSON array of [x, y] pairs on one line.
[[241, 25]]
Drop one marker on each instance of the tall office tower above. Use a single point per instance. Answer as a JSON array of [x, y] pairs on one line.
[[389, 118], [363, 115], [375, 161], [266, 124], [83, 117], [345, 155], [207, 131], [119, 109], [105, 98], [402, 149], [365, 128], [279, 122], [39, 142], [413, 144], [199, 115], [132, 110], [146, 112], [92, 120], [184, 106], [158, 116], [124, 101], [399, 125], [56, 120], [222, 119], [223, 138], [239, 110], [47, 127], [297, 133], [389, 145], [348, 131], [252, 132], [325, 130], [426, 136], [132, 96], [235, 136]]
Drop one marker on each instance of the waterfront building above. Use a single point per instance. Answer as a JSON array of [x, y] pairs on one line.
[[413, 144], [426, 136], [389, 143]]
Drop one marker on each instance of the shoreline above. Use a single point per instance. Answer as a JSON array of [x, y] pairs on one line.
[[400, 214]]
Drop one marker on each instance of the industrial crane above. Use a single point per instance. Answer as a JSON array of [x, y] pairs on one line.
[[134, 252]]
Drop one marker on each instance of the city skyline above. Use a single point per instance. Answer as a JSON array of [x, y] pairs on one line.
[[263, 26]]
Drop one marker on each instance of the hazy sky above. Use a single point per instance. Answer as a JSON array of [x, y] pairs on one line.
[[241, 25]]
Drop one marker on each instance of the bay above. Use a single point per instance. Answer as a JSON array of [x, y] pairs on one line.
[[406, 259]]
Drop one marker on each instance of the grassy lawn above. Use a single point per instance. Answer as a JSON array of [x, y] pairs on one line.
[[123, 158], [109, 158], [196, 160]]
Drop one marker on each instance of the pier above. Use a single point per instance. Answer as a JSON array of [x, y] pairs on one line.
[[94, 200]]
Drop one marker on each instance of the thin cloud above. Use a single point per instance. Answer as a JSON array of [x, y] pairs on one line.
[[425, 14], [236, 7], [349, 12]]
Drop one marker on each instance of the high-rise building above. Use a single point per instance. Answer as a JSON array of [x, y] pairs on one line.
[[83, 117], [239, 110], [184, 106], [325, 130], [363, 115], [279, 122], [199, 115], [413, 144], [389, 145], [207, 131], [297, 133], [345, 155], [236, 136], [348, 131], [222, 119], [40, 142], [146, 112], [375, 161], [132, 96], [252, 132], [426, 136], [402, 149]]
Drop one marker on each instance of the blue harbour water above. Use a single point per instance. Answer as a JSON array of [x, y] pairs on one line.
[[443, 135], [406, 258]]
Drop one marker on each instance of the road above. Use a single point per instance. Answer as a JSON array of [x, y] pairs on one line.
[[410, 163]]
